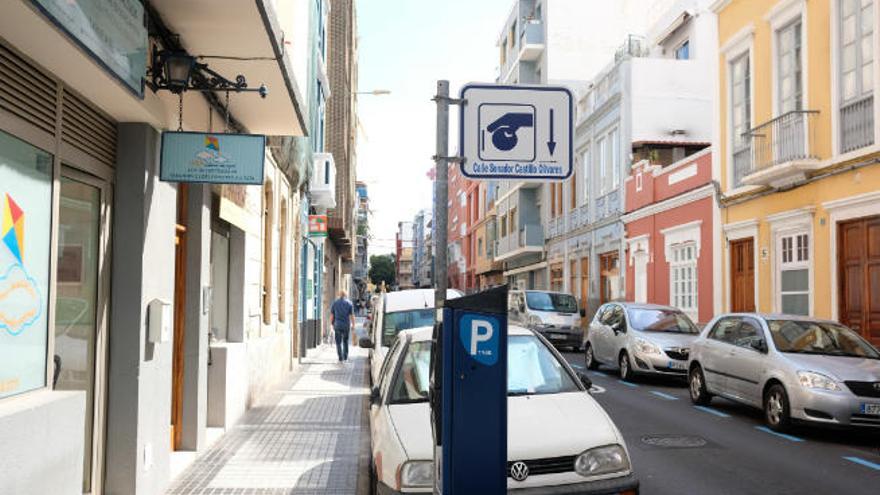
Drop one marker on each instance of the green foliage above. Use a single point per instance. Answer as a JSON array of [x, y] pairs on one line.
[[382, 269]]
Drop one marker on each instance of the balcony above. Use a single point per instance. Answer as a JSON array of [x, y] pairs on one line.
[[857, 124], [322, 184], [531, 40], [529, 239], [778, 152]]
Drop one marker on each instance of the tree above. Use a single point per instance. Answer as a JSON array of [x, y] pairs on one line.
[[382, 269]]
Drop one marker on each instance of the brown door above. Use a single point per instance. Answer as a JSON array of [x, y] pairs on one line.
[[573, 277], [585, 280], [858, 261], [609, 271], [742, 276], [179, 319]]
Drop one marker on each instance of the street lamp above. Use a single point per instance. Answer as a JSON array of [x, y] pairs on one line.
[[375, 92]]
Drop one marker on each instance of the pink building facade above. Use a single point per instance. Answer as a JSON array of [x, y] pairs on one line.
[[671, 224]]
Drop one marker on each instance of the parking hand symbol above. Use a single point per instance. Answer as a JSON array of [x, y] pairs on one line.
[[504, 129]]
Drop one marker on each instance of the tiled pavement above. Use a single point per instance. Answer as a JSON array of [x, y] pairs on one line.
[[309, 438]]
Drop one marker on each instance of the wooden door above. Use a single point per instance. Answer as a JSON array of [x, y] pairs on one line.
[[573, 277], [609, 273], [742, 276], [858, 261], [179, 318], [585, 280]]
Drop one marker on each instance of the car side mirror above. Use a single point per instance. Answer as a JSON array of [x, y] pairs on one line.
[[374, 396], [522, 308], [759, 345], [617, 326], [365, 342], [585, 380]]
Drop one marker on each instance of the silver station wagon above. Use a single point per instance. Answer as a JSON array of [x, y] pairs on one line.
[[794, 368]]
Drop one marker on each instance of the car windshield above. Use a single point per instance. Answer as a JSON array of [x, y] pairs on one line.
[[661, 320], [549, 301], [811, 337], [531, 370], [394, 323]]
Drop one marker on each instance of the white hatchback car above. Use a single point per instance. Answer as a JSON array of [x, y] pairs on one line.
[[555, 427], [398, 311]]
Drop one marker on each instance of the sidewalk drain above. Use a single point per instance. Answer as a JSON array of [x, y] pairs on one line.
[[674, 441]]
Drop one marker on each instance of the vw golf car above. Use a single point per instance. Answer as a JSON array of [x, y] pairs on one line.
[[794, 368], [560, 440], [398, 311], [640, 338], [553, 314]]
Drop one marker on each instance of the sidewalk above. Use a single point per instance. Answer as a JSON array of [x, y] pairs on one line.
[[311, 437]]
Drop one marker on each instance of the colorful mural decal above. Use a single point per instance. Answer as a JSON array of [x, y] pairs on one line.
[[20, 300]]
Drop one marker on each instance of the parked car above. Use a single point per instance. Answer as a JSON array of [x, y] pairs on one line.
[[549, 412], [397, 311], [640, 338], [794, 368], [553, 314]]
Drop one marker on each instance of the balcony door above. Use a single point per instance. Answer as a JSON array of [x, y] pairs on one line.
[[609, 276], [790, 129]]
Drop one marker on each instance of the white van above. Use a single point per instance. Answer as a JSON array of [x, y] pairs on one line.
[[553, 314], [397, 311]]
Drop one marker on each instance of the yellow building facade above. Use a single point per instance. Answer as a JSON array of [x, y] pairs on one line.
[[798, 158]]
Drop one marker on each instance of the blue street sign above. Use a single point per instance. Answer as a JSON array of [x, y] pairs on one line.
[[473, 395], [213, 158], [516, 132]]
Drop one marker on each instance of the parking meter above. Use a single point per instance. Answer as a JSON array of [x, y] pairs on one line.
[[469, 395]]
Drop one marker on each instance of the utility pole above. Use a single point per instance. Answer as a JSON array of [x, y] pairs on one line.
[[441, 193]]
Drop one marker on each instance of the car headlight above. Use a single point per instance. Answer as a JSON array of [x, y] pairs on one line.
[[417, 474], [602, 460], [536, 323], [646, 347], [811, 379]]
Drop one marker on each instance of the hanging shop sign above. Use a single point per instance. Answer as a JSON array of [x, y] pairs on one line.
[[212, 158], [25, 241], [112, 32], [317, 225]]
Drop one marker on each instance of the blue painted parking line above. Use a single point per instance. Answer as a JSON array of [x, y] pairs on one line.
[[859, 460], [577, 366], [628, 384], [664, 395], [780, 435], [712, 411]]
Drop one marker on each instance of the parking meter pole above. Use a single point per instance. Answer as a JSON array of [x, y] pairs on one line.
[[441, 191]]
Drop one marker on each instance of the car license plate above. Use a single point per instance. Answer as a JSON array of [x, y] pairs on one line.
[[873, 409], [677, 365]]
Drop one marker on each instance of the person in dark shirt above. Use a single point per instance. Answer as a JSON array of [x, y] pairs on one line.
[[342, 319]]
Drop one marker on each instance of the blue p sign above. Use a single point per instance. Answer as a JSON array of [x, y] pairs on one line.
[[479, 335]]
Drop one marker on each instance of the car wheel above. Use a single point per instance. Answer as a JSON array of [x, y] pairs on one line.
[[776, 408], [589, 358], [626, 373], [697, 386]]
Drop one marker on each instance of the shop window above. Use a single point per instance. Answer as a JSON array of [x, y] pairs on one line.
[[25, 226]]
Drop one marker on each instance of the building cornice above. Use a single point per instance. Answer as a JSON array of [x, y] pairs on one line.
[[702, 192]]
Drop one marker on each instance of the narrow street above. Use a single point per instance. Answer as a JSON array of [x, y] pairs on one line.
[[725, 448]]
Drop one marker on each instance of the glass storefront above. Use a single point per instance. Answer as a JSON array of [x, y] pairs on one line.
[[25, 241]]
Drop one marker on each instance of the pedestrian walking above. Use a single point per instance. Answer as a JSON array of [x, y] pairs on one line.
[[342, 319]]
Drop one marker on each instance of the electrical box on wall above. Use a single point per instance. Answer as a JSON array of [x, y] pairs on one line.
[[159, 321]]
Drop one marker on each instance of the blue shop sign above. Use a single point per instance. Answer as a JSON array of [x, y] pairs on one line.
[[212, 158]]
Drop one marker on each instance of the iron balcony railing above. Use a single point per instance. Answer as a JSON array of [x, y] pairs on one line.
[[789, 137], [857, 124]]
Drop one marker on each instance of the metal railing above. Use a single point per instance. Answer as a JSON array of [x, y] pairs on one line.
[[532, 33], [531, 235], [857, 124], [791, 136], [633, 46]]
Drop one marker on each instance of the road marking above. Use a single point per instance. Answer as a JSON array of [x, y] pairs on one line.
[[713, 411], [664, 395], [628, 384], [859, 460], [780, 435], [595, 389]]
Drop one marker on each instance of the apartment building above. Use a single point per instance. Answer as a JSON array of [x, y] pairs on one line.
[[560, 42], [798, 153], [457, 228], [651, 103], [361, 260]]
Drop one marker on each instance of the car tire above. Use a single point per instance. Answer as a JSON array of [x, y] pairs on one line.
[[777, 412], [626, 372], [697, 387], [589, 358]]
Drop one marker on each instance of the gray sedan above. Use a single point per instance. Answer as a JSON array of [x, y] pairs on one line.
[[794, 368]]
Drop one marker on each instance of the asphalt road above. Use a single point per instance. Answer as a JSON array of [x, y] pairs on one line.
[[677, 448]]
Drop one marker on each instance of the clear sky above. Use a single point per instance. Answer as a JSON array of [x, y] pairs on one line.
[[405, 46]]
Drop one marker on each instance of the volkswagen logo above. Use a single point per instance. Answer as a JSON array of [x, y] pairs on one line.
[[519, 471], [877, 386]]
